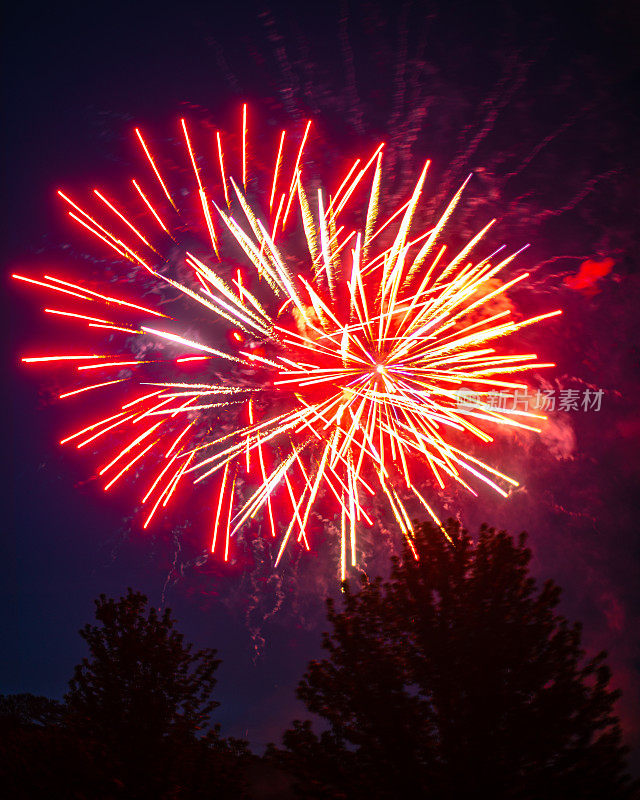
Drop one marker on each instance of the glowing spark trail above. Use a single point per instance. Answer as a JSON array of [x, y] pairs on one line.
[[344, 365]]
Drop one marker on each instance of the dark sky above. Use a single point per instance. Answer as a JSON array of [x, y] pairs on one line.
[[78, 78]]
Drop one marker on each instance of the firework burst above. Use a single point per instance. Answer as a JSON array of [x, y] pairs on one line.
[[342, 371]]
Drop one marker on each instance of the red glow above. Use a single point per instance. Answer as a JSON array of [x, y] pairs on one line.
[[587, 278]]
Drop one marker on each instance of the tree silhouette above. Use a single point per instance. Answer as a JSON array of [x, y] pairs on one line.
[[457, 677], [140, 679], [135, 724], [39, 755], [28, 711], [143, 699]]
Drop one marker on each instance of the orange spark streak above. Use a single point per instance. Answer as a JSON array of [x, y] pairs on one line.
[[201, 192], [129, 465], [219, 510], [178, 438], [155, 169], [295, 173], [111, 244], [88, 388], [191, 156], [90, 428], [30, 360], [224, 178], [117, 364], [276, 170], [107, 298], [50, 286], [108, 238], [164, 491], [244, 148], [228, 534], [115, 328], [176, 480], [158, 479], [150, 207], [130, 446], [142, 399], [263, 473], [124, 219], [104, 430], [77, 316]]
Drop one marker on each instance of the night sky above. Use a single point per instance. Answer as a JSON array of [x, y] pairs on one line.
[[540, 106]]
